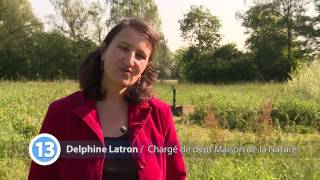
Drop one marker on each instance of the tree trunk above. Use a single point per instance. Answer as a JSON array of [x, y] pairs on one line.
[[289, 33]]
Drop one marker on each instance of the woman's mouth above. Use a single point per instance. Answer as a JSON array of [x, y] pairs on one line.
[[129, 71]]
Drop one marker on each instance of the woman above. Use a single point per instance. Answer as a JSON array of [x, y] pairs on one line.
[[116, 104]]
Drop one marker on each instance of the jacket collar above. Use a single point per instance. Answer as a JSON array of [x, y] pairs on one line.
[[137, 116]]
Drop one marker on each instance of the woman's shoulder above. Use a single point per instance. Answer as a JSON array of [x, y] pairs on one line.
[[158, 103], [70, 101], [163, 113], [160, 106]]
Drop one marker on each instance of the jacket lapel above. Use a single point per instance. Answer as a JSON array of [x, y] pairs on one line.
[[137, 116], [88, 113]]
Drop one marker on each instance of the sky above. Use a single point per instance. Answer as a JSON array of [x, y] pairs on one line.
[[173, 10]]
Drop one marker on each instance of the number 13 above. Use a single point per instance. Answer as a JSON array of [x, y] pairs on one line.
[[49, 152]]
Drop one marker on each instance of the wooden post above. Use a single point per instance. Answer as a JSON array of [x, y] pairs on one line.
[[174, 97]]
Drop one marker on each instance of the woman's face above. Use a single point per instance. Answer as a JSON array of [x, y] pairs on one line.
[[126, 58]]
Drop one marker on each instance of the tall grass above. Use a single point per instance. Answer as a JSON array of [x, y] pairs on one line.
[[239, 104], [237, 107], [306, 82]]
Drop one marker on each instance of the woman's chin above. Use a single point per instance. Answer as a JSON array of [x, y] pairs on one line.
[[125, 83]]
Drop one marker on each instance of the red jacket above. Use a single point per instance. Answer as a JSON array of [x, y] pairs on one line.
[[74, 118]]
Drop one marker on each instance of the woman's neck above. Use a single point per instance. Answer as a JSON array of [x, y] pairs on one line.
[[115, 94], [113, 101]]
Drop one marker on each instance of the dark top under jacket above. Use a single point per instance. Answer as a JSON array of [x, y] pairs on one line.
[[118, 166]]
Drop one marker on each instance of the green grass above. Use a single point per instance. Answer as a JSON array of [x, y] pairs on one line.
[[237, 95], [24, 104], [235, 103], [305, 164]]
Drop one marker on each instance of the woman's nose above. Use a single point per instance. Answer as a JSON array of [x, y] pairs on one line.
[[130, 59]]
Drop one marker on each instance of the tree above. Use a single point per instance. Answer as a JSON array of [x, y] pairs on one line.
[[228, 52], [310, 29], [273, 28], [163, 60], [290, 11], [226, 64], [97, 14], [17, 25], [16, 16], [178, 70], [316, 26], [144, 9], [71, 18], [27, 52], [200, 28]]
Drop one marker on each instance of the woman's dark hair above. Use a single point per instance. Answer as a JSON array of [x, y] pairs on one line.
[[90, 73]]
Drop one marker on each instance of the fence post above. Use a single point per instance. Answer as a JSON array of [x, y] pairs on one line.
[[174, 96]]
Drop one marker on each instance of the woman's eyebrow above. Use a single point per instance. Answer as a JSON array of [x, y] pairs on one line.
[[127, 44], [124, 43]]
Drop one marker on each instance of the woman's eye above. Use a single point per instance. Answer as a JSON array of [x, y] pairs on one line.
[[123, 48], [141, 56]]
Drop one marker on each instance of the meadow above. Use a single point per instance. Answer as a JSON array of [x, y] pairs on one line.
[[236, 115]]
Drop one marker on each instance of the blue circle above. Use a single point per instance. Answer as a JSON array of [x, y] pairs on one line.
[[44, 149], [35, 149]]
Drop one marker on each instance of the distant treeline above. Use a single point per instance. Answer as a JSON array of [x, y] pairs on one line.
[[42, 55], [33, 50], [281, 37]]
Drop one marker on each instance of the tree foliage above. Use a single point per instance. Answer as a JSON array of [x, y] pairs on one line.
[[200, 28], [144, 9], [27, 52], [97, 14], [16, 16], [71, 17], [164, 60], [204, 60], [277, 32], [281, 37], [273, 28], [310, 29], [16, 28], [225, 64]]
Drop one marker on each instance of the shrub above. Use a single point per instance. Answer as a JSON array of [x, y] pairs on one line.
[[305, 82]]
